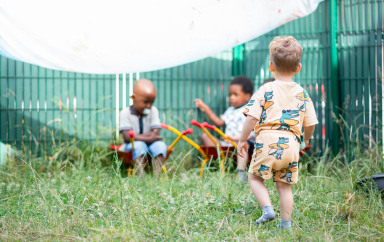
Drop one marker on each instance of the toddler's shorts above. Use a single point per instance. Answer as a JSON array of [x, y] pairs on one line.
[[276, 154]]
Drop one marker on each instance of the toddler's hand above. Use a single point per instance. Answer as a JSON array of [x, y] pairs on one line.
[[242, 148], [200, 104], [158, 137], [154, 137]]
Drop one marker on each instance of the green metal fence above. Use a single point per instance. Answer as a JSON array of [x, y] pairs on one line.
[[360, 39], [354, 91], [39, 106], [313, 33]]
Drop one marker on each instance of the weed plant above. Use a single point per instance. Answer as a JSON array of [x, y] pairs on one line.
[[83, 192]]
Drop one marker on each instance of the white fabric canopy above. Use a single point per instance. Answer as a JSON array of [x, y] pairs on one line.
[[122, 36]]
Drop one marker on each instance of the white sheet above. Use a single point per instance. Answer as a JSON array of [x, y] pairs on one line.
[[122, 36]]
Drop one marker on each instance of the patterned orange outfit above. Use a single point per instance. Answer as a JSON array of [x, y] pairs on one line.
[[282, 108]]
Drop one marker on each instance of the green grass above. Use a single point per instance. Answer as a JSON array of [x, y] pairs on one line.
[[81, 193]]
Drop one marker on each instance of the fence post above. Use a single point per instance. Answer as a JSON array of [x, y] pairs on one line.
[[238, 64], [117, 105], [335, 83]]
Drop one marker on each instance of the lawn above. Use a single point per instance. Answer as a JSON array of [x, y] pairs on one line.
[[78, 195]]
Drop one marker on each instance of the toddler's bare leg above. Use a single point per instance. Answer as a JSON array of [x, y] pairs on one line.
[[242, 162], [286, 204], [259, 189], [261, 194], [286, 199], [139, 163], [159, 161]]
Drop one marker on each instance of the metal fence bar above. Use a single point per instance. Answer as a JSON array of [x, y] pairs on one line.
[[335, 87]]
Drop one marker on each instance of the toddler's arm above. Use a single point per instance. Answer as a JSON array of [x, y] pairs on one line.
[[234, 138], [249, 124], [237, 137], [149, 137], [207, 110], [308, 132]]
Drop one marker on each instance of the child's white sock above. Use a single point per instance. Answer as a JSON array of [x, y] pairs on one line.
[[284, 224], [268, 215], [242, 176]]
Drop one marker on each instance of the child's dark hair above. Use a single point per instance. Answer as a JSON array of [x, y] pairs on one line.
[[245, 82]]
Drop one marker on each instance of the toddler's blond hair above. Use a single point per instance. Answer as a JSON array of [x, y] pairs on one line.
[[285, 53]]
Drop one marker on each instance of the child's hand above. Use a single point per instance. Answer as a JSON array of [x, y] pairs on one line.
[[242, 148], [200, 105], [152, 137], [155, 137]]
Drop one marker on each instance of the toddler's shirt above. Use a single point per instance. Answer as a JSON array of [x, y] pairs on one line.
[[234, 120], [281, 105], [140, 124]]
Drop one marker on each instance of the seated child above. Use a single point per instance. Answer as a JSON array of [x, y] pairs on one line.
[[277, 112], [240, 91], [143, 119]]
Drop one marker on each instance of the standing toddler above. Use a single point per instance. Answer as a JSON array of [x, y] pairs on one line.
[[277, 112]]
